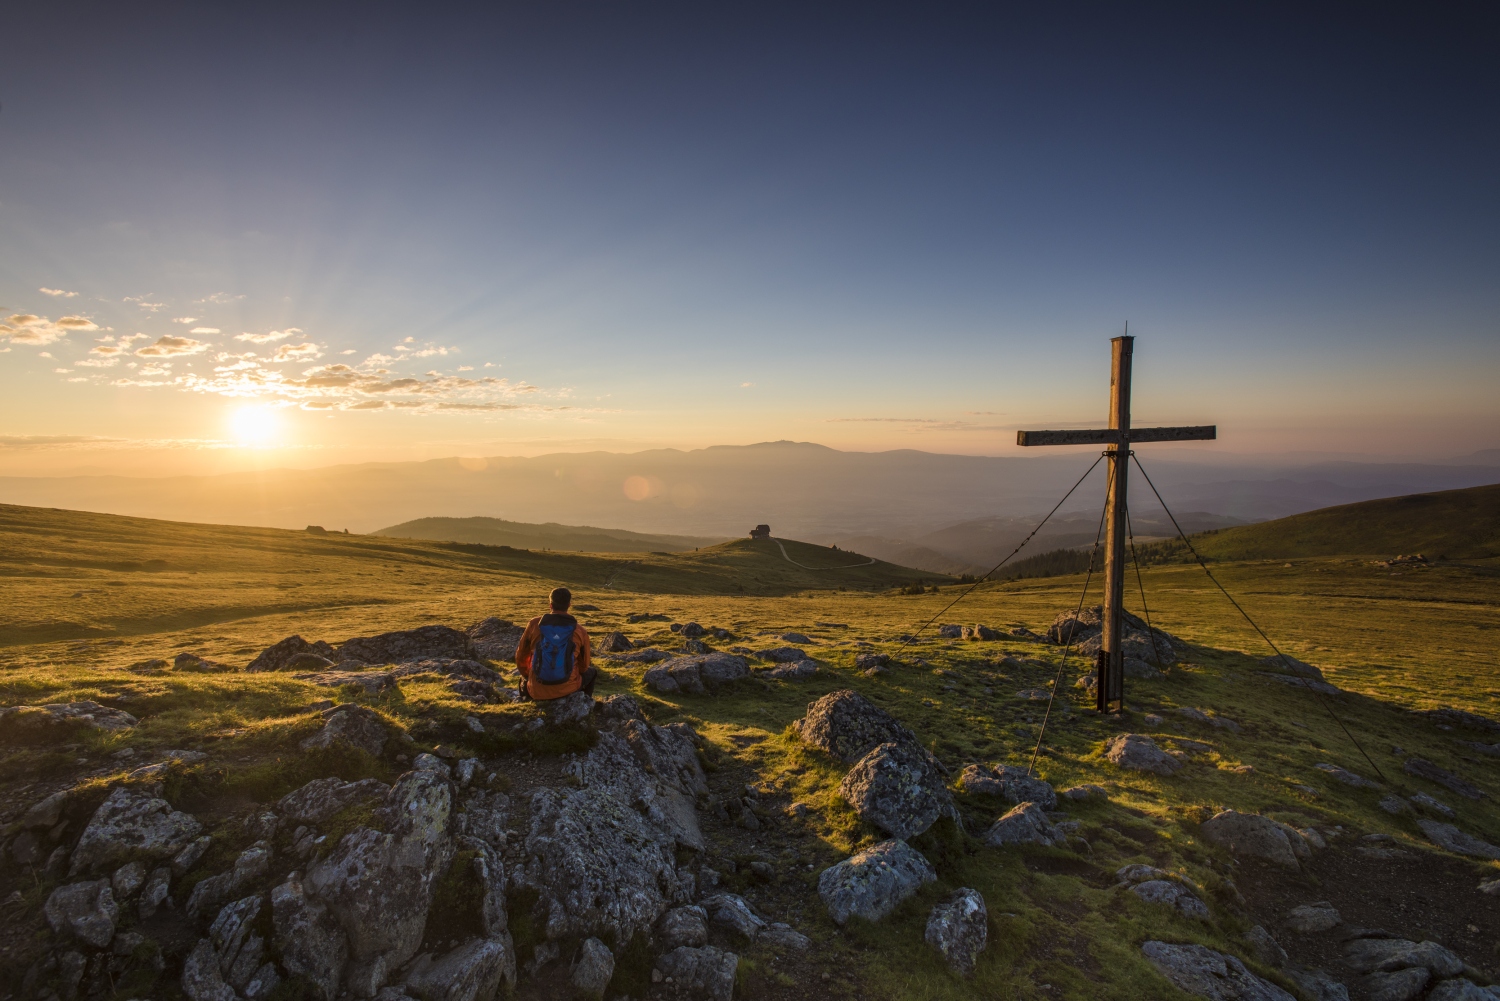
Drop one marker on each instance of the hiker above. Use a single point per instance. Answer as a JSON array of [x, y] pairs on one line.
[[553, 654]]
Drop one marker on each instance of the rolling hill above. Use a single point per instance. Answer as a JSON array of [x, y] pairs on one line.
[[523, 535]]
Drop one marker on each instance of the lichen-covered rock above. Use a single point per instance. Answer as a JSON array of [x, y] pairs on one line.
[[1267, 949], [654, 768], [592, 969], [1250, 834], [847, 725], [130, 823], [350, 725], [279, 656], [615, 642], [1400, 985], [958, 927], [1009, 782], [1315, 983], [201, 979], [1138, 752], [1308, 919], [309, 939], [701, 974], [127, 879], [472, 972], [403, 646], [871, 883], [698, 673], [730, 912], [1026, 824], [1204, 973], [1424, 769], [157, 890], [686, 925], [239, 950], [86, 911], [1387, 955], [212, 893], [30, 724], [1173, 894], [781, 935], [617, 708], [1448, 837], [1460, 989], [899, 787], [495, 639], [320, 799], [798, 670]]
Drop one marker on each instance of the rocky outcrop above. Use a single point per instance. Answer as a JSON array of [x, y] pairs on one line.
[[697, 674], [686, 925], [1347, 777], [871, 883], [239, 950], [782, 654], [212, 893], [309, 939], [614, 642], [730, 912], [280, 655], [958, 928], [1424, 769], [1251, 835], [1173, 894], [1308, 919], [320, 799], [403, 646], [1009, 782], [473, 971], [899, 787], [36, 724], [494, 639], [592, 969], [700, 974], [798, 670], [1204, 973], [1027, 824], [1284, 664], [132, 823], [352, 726], [1139, 752], [1389, 955], [84, 911], [1147, 647], [1448, 837], [847, 725]]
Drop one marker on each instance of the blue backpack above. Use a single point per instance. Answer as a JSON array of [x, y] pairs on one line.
[[552, 662]]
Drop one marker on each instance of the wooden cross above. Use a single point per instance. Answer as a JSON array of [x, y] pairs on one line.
[[1118, 437]]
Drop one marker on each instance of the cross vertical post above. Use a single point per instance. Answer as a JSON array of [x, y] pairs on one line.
[[1111, 667]]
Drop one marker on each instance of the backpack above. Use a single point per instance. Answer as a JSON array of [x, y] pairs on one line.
[[552, 662]]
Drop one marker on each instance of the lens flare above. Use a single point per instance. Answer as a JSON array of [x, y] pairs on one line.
[[255, 426]]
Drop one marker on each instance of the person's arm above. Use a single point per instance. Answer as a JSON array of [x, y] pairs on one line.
[[583, 649], [526, 646]]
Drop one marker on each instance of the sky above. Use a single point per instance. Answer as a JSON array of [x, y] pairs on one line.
[[241, 235]]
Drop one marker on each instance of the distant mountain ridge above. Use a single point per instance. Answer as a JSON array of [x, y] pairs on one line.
[[551, 535]]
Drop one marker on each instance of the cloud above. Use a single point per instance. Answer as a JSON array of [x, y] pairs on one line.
[[28, 328], [98, 362], [141, 301], [204, 330], [62, 370], [165, 368], [275, 335], [221, 298], [297, 352], [426, 351], [57, 292], [466, 368], [185, 319], [348, 351], [746, 385], [171, 346]]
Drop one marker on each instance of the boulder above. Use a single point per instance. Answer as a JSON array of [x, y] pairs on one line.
[[238, 949], [350, 725], [308, 939], [132, 823], [871, 883], [127, 879], [878, 662], [1204, 973], [1219, 722], [1450, 838], [278, 656], [570, 710], [1307, 919], [958, 927], [798, 670], [320, 799], [619, 707], [1387, 955], [1026, 824], [480, 692], [1402, 985], [795, 638], [54, 721], [979, 780], [156, 892], [403, 646], [1085, 792], [1250, 834], [730, 912], [84, 911], [697, 674], [847, 725], [691, 630], [1171, 893], [783, 936], [614, 642], [950, 632], [472, 972], [1317, 984], [687, 925], [494, 639], [1291, 665], [1347, 777], [1267, 949], [782, 654], [1019, 787], [1424, 769], [980, 632], [212, 893], [899, 787], [593, 968], [701, 974], [1431, 804], [1138, 752], [201, 979], [1460, 989]]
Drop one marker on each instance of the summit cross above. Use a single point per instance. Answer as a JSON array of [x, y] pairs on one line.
[[1118, 438]]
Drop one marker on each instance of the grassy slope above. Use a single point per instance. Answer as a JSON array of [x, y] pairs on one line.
[[1418, 639], [572, 538], [1456, 524]]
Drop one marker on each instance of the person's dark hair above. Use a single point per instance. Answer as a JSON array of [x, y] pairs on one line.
[[561, 599]]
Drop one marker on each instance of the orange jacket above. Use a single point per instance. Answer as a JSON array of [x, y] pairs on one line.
[[524, 650]]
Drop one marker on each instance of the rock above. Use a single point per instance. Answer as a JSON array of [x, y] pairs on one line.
[[190, 854], [1249, 834], [593, 968], [1403, 985], [871, 661], [1026, 824], [950, 632], [615, 642], [1267, 949], [871, 883], [899, 787], [127, 879], [979, 780], [782, 654], [1204, 973], [570, 710], [1085, 792], [1460, 989], [378, 882], [479, 692], [31, 724], [647, 656], [1424, 769], [702, 974], [212, 893], [46, 812], [1347, 777], [1019, 787], [1171, 893], [1318, 985], [496, 639], [156, 892], [729, 911], [1394, 805], [619, 707], [131, 823], [1387, 955], [1219, 722], [958, 927], [1490, 887], [201, 979], [697, 674], [404, 646], [86, 911], [1307, 919], [472, 972], [237, 948], [279, 655], [847, 725], [1450, 838], [680, 926], [1139, 753], [1459, 717], [1291, 665], [320, 799], [353, 726], [795, 638], [795, 671], [308, 938], [783, 936], [26, 849], [1425, 802], [980, 632]]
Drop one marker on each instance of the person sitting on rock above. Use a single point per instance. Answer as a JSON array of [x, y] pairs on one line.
[[553, 654]]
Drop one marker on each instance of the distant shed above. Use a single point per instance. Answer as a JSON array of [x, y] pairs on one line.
[[760, 532]]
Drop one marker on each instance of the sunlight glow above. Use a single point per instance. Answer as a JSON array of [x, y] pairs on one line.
[[252, 426]]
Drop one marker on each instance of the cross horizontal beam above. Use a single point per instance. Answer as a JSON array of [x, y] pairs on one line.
[[1111, 436]]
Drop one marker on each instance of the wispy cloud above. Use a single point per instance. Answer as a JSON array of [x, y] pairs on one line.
[[425, 351], [220, 298], [184, 319], [171, 346], [144, 302], [275, 335], [57, 292], [297, 352], [204, 330], [28, 328]]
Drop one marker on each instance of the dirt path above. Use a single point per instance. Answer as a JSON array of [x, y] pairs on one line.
[[804, 566]]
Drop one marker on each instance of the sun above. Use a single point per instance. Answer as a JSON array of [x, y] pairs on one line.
[[255, 425]]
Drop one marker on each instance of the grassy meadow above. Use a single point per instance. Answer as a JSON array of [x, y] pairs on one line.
[[88, 597]]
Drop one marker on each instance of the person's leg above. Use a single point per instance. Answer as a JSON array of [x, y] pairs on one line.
[[589, 677]]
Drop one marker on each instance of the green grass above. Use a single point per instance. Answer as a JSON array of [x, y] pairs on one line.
[[551, 536]]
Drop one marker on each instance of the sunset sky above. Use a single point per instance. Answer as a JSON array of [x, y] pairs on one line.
[[252, 235]]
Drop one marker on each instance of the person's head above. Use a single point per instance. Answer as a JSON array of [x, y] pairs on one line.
[[561, 599]]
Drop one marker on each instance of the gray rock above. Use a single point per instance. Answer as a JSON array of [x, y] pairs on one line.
[[1403, 985], [85, 911], [1019, 787], [496, 639], [132, 823], [237, 948], [687, 925], [1171, 893], [472, 972], [1307, 919], [404, 646], [264, 982], [782, 654], [795, 638], [1424, 769], [951, 632], [1347, 777], [1394, 805], [127, 879], [593, 968], [871, 883], [1131, 874], [1267, 949], [188, 857], [729, 911], [1139, 753], [899, 787], [1200, 971], [798, 670], [1490, 887], [570, 710], [1387, 955], [680, 674], [212, 893], [353, 726], [1460, 989], [958, 927], [46, 812], [1318, 985], [783, 936], [847, 725], [156, 892], [1291, 665], [1219, 722], [201, 979], [871, 661], [278, 656], [1026, 824], [620, 707], [1085, 792], [378, 882], [981, 632], [1433, 805], [695, 647], [309, 940], [58, 719], [979, 780], [1249, 834], [1450, 838], [703, 973], [614, 642]]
